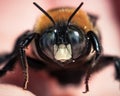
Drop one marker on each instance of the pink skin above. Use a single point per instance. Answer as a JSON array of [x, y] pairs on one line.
[[18, 16], [10, 90]]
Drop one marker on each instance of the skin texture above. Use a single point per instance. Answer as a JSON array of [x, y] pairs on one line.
[[18, 16], [8, 90]]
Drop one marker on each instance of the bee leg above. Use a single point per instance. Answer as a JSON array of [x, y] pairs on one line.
[[93, 40], [7, 61], [8, 56], [19, 51], [24, 41], [117, 67], [104, 61], [10, 62]]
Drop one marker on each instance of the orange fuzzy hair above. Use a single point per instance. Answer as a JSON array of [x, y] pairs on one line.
[[80, 19]]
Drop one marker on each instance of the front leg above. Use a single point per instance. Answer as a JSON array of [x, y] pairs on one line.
[[18, 53], [22, 44], [8, 60], [94, 41]]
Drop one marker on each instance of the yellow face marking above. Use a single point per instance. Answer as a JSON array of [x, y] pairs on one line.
[[62, 52]]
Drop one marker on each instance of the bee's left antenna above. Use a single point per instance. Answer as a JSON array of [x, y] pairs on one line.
[[41, 9]]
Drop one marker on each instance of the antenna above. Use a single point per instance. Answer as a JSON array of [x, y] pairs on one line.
[[41, 9], [73, 14]]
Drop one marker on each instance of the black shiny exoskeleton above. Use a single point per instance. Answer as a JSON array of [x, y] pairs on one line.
[[67, 48]]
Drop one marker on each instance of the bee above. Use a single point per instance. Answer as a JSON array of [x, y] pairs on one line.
[[66, 43]]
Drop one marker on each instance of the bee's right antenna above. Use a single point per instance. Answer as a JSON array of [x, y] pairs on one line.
[[73, 14]]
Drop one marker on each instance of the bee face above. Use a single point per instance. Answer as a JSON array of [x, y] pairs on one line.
[[62, 35], [62, 43]]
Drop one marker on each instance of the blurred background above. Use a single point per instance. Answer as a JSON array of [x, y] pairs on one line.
[[16, 16]]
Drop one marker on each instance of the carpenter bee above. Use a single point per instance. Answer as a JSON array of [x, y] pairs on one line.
[[66, 43]]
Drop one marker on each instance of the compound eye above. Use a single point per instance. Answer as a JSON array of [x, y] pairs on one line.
[[77, 40], [46, 43]]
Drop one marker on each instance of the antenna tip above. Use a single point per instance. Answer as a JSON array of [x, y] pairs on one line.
[[34, 3], [82, 3]]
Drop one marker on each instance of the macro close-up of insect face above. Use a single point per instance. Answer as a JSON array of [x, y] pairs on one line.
[[66, 43]]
